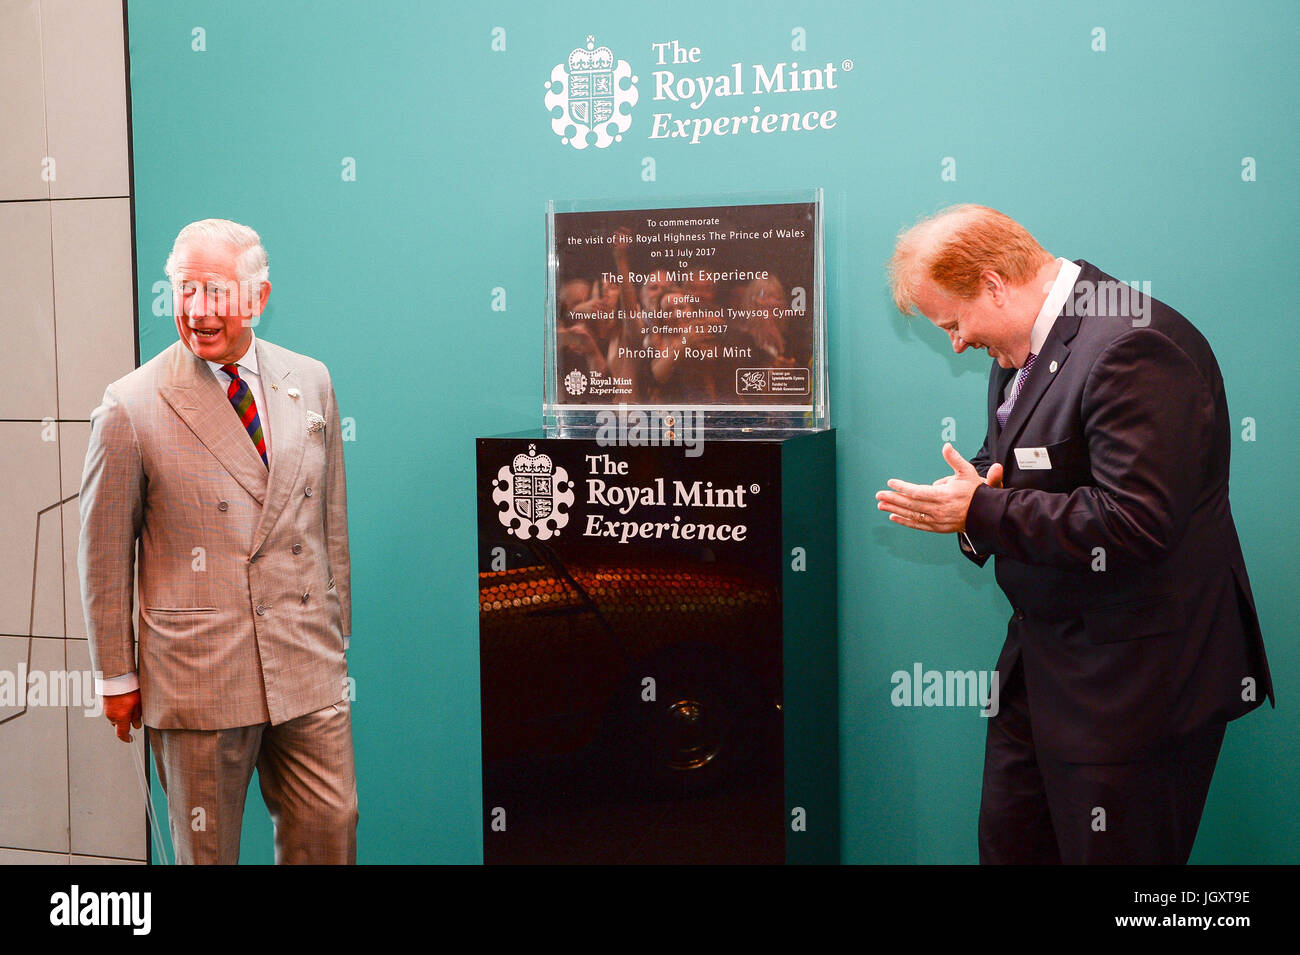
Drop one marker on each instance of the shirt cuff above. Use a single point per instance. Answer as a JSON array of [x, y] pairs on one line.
[[347, 641], [966, 544], [117, 685]]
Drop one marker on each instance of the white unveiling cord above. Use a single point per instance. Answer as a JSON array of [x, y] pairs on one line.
[[142, 777]]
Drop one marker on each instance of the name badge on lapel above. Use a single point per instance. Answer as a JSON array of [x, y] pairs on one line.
[[1033, 459]]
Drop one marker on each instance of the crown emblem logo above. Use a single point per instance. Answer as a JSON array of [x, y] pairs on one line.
[[590, 60], [533, 496], [533, 464], [575, 382], [594, 93]]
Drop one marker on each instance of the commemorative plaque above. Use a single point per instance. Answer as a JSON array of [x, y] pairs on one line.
[[709, 314]]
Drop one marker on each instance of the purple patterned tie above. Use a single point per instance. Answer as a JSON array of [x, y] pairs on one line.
[[242, 400], [1004, 409]]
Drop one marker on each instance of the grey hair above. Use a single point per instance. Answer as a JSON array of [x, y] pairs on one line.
[[251, 264]]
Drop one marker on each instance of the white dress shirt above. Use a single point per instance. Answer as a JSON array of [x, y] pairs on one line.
[[1067, 275]]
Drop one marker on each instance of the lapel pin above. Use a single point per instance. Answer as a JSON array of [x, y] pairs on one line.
[[274, 386], [1052, 367]]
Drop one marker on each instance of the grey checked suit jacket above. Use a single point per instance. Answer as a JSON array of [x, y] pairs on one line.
[[243, 575]]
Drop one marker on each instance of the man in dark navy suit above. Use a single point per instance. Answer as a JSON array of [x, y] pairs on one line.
[[1102, 492]]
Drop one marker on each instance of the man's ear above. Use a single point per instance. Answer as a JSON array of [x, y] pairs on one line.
[[993, 283], [259, 304]]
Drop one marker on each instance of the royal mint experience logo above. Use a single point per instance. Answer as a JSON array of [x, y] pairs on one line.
[[593, 96], [591, 100], [531, 494], [575, 382]]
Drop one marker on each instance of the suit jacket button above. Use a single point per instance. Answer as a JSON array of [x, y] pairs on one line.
[[261, 610], [223, 506], [1019, 614], [253, 559], [308, 490], [297, 548]]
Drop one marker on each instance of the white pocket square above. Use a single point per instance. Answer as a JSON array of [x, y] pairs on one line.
[[314, 422]]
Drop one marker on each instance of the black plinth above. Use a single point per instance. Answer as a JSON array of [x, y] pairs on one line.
[[658, 651]]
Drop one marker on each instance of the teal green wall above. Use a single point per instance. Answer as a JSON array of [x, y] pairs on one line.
[[1131, 158]]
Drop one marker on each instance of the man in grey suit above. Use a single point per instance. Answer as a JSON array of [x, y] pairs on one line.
[[222, 459]]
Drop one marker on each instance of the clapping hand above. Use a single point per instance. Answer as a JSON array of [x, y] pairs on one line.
[[939, 507]]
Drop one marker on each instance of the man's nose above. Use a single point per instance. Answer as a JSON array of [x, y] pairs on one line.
[[197, 305], [958, 343]]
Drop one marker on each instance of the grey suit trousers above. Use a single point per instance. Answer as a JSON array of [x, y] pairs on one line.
[[307, 775]]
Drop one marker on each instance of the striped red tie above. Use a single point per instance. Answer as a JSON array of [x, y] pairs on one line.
[[242, 400]]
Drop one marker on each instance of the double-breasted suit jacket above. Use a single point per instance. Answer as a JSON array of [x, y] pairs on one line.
[[243, 574]]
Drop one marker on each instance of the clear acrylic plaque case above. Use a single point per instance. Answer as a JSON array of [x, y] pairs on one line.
[[707, 312]]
